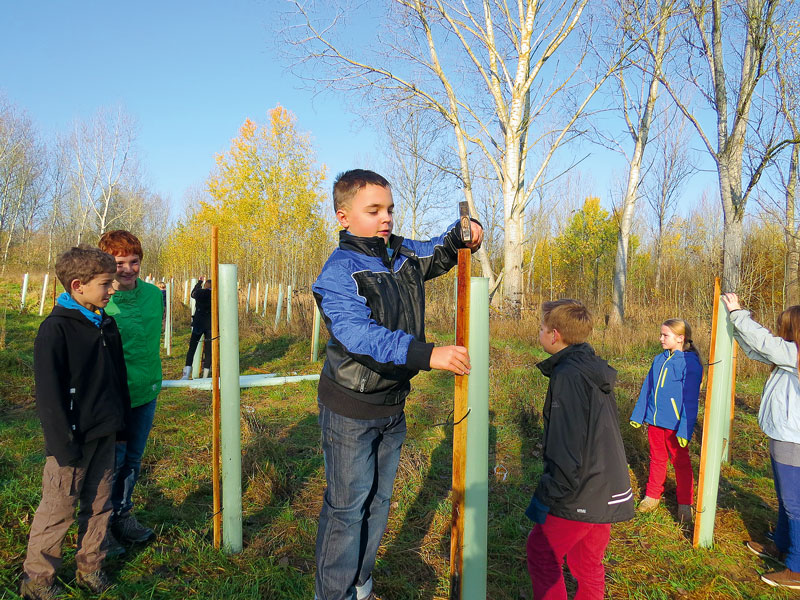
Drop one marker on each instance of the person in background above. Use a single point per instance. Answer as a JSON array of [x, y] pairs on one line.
[[585, 484], [779, 419], [138, 309], [82, 400], [201, 326], [668, 403]]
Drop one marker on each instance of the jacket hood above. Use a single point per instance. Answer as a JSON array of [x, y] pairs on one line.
[[583, 358]]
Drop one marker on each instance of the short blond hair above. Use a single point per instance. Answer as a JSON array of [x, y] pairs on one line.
[[570, 318]]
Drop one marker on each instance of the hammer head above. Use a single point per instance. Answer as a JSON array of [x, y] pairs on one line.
[[465, 224]]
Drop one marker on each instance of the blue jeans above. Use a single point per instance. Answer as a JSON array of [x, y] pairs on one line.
[[361, 458], [129, 453], [787, 531]]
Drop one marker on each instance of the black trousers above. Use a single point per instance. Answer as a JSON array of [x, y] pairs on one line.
[[193, 341]]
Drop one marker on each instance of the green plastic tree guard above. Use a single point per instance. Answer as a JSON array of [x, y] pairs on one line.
[[315, 334], [476, 481], [716, 425], [230, 410]]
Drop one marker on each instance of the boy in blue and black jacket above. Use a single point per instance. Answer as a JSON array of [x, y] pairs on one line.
[[371, 293]]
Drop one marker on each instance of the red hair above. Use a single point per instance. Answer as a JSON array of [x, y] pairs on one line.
[[120, 243]]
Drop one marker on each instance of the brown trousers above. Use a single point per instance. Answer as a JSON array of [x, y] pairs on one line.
[[87, 484]]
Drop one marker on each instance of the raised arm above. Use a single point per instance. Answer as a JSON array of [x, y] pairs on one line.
[[756, 340]]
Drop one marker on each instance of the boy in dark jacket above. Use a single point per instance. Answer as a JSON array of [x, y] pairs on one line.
[[371, 293], [82, 400], [585, 484]]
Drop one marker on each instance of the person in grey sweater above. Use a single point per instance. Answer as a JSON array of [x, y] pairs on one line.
[[779, 419]]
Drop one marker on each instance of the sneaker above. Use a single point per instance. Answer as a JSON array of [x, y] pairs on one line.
[[786, 578], [206, 373], [96, 582], [187, 371], [112, 547], [768, 550], [648, 504], [685, 513], [34, 590], [129, 531]]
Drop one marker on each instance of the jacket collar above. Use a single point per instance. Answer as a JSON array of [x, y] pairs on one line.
[[67, 301], [371, 246], [548, 364]]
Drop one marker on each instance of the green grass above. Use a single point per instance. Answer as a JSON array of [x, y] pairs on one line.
[[650, 557]]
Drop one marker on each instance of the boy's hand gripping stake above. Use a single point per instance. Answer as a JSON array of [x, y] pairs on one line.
[[460, 410]]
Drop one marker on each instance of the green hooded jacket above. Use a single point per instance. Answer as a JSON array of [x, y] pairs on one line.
[[138, 313]]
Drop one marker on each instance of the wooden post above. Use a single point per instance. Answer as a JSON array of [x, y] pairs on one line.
[[460, 408], [215, 398]]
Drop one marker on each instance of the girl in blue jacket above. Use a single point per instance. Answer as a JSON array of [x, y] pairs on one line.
[[668, 404]]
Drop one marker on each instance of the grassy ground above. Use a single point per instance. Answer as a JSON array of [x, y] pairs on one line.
[[650, 557]]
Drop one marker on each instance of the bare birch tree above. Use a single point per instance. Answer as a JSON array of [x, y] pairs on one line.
[[101, 159], [731, 49], [648, 21], [489, 72]]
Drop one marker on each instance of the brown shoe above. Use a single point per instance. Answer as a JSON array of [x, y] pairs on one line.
[[768, 550], [648, 504], [36, 590], [786, 579], [97, 581]]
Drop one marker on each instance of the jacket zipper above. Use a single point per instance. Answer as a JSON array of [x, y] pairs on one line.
[[662, 376]]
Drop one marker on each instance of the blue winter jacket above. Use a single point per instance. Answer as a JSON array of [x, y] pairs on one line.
[[670, 393], [372, 299]]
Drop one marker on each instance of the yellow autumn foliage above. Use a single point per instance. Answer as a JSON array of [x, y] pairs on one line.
[[267, 201]]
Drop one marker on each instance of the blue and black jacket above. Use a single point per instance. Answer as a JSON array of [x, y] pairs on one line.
[[372, 298], [669, 395]]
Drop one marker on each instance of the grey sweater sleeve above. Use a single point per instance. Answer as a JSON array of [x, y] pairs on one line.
[[759, 344]]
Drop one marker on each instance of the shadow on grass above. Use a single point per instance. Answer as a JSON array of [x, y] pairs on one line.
[[409, 575], [267, 351]]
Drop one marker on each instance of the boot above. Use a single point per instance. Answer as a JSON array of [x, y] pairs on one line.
[[96, 582], [33, 590], [129, 531], [685, 513], [648, 504], [206, 373], [187, 371]]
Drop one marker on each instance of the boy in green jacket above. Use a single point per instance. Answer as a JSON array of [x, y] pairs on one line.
[[138, 309]]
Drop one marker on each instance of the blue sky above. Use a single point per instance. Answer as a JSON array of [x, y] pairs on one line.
[[189, 73]]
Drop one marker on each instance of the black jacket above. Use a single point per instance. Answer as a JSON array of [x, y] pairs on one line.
[[202, 307], [585, 476], [81, 382], [374, 308]]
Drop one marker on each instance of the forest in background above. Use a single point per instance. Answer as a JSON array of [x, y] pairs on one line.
[[473, 108]]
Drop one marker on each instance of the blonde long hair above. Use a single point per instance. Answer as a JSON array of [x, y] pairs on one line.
[[681, 327]]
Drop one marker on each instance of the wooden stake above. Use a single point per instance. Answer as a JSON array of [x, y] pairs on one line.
[[215, 397], [460, 430]]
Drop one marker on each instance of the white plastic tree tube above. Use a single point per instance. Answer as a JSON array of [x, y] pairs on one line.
[[44, 293], [24, 292], [280, 304], [230, 419]]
